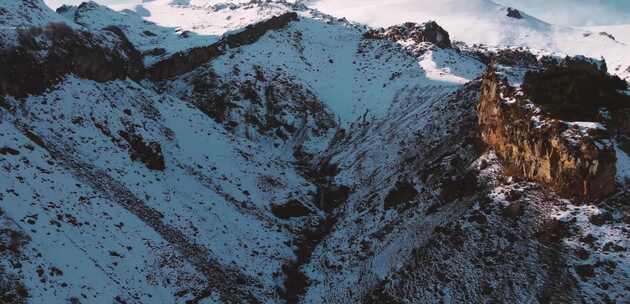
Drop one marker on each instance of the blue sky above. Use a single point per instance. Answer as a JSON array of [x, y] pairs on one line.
[[566, 12]]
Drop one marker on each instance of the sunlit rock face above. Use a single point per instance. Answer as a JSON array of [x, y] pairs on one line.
[[577, 160]]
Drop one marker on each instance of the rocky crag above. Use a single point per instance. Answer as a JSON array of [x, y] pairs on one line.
[[577, 160]]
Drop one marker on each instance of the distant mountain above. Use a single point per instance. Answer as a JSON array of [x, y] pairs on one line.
[[485, 22]]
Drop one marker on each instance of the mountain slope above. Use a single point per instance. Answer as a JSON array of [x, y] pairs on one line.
[[311, 160]]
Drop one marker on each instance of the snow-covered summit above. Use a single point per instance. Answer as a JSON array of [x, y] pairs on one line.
[[485, 22], [163, 27]]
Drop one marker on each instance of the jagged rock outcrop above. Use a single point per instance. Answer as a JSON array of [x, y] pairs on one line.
[[575, 161], [149, 153], [189, 60], [514, 13], [577, 89], [606, 34], [426, 32], [44, 55]]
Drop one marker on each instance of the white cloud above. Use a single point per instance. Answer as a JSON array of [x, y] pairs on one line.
[[576, 12]]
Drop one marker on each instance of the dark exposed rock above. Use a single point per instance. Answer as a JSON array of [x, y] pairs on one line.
[[426, 32], [211, 96], [45, 55], [576, 89], [620, 124], [12, 241], [610, 246], [148, 153], [552, 231], [184, 62], [154, 52], [185, 34], [290, 209], [514, 13], [35, 138], [189, 60], [149, 33], [8, 151], [605, 34], [513, 210], [585, 271], [254, 31], [402, 193], [12, 290], [600, 219], [459, 186], [297, 282], [513, 195], [379, 295], [515, 57], [328, 197], [332, 196], [273, 101], [64, 8], [582, 254]]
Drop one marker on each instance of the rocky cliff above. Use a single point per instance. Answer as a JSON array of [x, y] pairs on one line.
[[44, 55], [575, 159], [187, 61]]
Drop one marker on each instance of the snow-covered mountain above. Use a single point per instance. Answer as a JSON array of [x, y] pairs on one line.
[[205, 151], [485, 22]]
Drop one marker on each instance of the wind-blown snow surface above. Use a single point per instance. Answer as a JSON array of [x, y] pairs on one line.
[[485, 22]]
